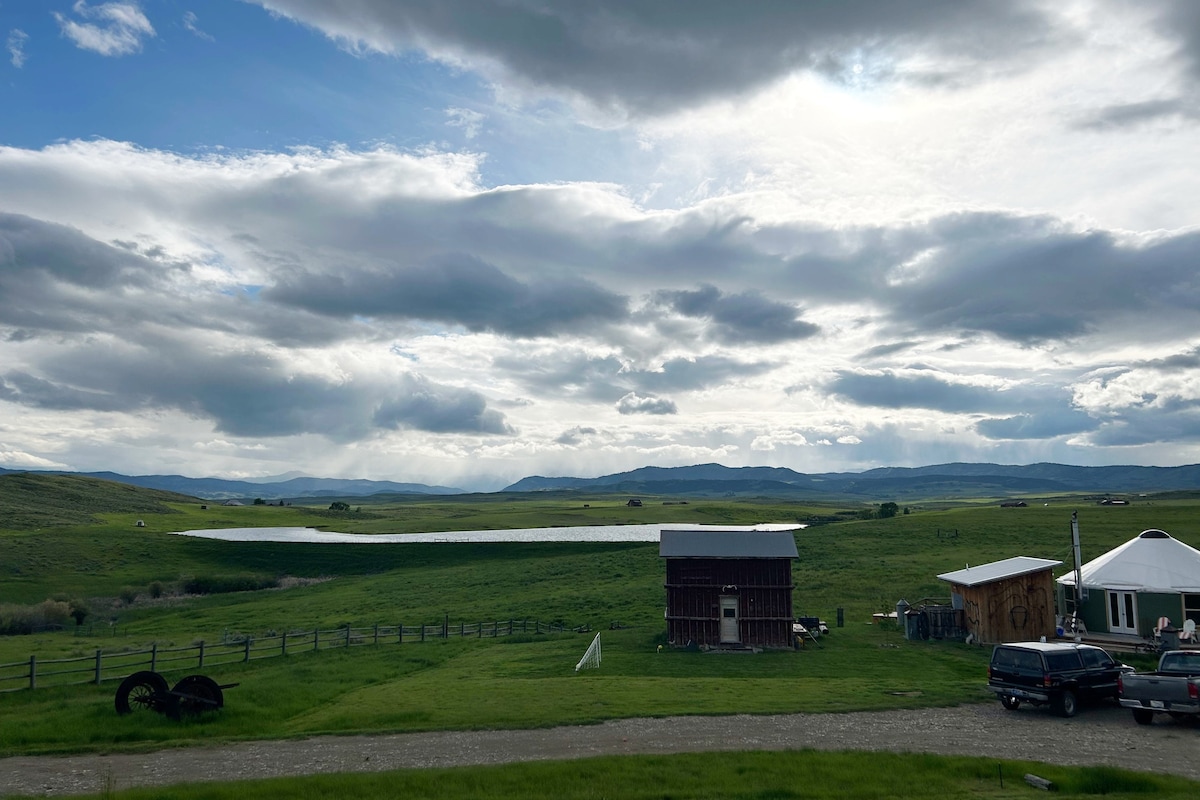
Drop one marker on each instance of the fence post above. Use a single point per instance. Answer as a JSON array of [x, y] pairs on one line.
[[98, 665], [246, 656], [316, 637], [446, 627], [347, 634], [376, 633], [33, 672], [153, 656], [462, 629], [422, 631], [510, 626], [201, 664], [400, 633], [283, 644]]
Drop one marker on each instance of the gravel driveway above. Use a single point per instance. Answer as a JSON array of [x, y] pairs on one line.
[[1102, 735]]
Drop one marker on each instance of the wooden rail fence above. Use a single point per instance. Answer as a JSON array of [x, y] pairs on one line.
[[36, 673]]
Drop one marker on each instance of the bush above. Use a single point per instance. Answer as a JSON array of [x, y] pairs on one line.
[[128, 594], [156, 589], [17, 619], [221, 584]]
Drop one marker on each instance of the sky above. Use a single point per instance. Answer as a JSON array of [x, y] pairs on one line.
[[464, 242]]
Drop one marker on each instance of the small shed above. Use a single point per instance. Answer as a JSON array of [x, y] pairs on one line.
[[1126, 590], [728, 588], [1005, 601]]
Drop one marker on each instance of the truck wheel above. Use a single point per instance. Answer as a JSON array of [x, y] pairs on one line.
[[1143, 716], [1011, 703], [1066, 704]]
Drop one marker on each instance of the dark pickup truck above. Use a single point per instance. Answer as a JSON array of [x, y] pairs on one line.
[[1058, 674], [1174, 688]]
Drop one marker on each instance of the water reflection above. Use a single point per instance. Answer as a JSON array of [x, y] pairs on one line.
[[581, 533]]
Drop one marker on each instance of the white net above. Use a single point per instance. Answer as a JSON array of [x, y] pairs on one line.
[[591, 659]]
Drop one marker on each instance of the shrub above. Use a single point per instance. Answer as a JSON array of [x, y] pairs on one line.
[[18, 619], [221, 584], [128, 594], [156, 589]]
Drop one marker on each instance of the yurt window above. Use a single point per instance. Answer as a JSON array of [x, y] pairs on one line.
[[1191, 607]]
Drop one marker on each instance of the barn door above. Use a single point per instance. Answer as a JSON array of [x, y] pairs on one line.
[[729, 620], [1122, 612]]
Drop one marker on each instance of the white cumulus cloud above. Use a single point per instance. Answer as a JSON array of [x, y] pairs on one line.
[[110, 29]]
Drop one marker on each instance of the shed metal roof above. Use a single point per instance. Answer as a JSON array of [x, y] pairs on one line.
[[998, 570], [727, 544]]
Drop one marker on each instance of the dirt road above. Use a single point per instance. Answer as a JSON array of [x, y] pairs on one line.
[[1104, 735]]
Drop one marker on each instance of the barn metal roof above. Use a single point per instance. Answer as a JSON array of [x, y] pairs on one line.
[[998, 570], [727, 544]]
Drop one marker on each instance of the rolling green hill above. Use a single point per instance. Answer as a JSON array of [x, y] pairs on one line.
[[36, 500]]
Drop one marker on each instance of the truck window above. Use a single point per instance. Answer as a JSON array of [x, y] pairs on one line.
[[1096, 659], [1180, 662], [1058, 662]]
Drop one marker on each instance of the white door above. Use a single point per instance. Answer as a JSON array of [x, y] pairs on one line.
[[1122, 612], [729, 620]]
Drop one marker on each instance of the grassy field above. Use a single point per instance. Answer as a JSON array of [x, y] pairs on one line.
[[860, 566], [791, 775]]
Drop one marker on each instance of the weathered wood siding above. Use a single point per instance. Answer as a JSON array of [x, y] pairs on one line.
[[1019, 609], [763, 587]]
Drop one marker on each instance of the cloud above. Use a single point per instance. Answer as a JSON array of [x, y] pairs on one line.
[[575, 436], [246, 392], [118, 30], [456, 289], [740, 318], [192, 23], [16, 41], [647, 59], [633, 403], [470, 121]]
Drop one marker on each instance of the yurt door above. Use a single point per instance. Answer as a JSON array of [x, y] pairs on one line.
[[1122, 612]]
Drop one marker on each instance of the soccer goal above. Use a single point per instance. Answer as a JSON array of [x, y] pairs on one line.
[[592, 657]]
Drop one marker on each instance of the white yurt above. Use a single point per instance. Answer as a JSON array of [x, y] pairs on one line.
[[1132, 588]]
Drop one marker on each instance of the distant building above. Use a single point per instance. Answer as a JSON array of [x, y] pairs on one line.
[[729, 588], [634, 502], [233, 503]]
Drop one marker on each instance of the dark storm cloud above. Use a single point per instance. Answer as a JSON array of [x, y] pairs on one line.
[[892, 390], [1129, 114], [459, 290], [246, 393], [1181, 22], [1029, 280], [55, 278], [648, 58], [1041, 425], [607, 378], [1139, 426], [645, 404], [440, 409], [742, 318]]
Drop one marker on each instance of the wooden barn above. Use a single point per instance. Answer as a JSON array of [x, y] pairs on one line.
[[1006, 601], [729, 588]]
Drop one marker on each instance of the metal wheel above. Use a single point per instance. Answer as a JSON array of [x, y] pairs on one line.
[[1011, 703], [141, 691], [1067, 704], [1143, 716], [198, 693]]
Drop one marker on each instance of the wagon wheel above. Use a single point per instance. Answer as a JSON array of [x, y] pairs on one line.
[[197, 693], [141, 691]]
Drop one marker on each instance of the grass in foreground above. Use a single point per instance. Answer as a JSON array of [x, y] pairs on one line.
[[728, 776]]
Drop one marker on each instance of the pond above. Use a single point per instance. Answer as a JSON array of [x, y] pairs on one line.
[[580, 533]]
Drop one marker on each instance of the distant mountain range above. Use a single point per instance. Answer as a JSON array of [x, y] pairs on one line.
[[885, 483], [291, 488], [902, 484]]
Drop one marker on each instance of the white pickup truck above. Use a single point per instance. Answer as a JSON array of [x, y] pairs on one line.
[[1174, 688]]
